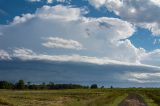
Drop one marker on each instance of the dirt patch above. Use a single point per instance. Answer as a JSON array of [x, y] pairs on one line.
[[133, 99]]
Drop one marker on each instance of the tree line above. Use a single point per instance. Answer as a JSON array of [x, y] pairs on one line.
[[22, 85]]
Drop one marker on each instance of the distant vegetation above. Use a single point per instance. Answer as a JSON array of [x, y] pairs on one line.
[[94, 86], [22, 85]]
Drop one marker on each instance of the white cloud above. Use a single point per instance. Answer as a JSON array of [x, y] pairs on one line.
[[143, 13], [143, 77], [27, 54], [59, 12], [52, 12], [156, 2], [4, 55], [153, 27], [56, 42], [97, 3], [24, 54], [151, 58], [23, 18], [101, 37], [51, 1], [34, 0], [61, 0], [126, 48]]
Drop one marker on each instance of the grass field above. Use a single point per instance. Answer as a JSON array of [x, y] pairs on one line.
[[75, 97]]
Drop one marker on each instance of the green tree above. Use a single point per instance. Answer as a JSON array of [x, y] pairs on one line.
[[20, 84]]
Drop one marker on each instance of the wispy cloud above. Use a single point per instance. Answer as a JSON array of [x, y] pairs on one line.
[[56, 42], [156, 41], [27, 54], [143, 77], [51, 1]]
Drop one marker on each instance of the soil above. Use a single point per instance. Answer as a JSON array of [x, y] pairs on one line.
[[133, 99]]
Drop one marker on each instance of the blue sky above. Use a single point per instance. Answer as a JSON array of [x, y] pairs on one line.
[[99, 32]]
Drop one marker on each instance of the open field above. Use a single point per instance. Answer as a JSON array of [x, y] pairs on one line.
[[76, 97]]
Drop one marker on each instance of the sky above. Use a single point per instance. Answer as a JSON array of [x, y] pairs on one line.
[[100, 33]]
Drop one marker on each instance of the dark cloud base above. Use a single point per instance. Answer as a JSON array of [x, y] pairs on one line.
[[71, 72]]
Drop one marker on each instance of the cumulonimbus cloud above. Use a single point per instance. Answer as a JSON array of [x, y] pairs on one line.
[[101, 37], [105, 39]]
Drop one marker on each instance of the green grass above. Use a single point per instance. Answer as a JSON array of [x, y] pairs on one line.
[[75, 97]]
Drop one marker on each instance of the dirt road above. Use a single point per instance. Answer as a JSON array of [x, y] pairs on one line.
[[133, 99]]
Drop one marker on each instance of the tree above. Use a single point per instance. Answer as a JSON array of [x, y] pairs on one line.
[[94, 86], [5, 85], [20, 84]]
